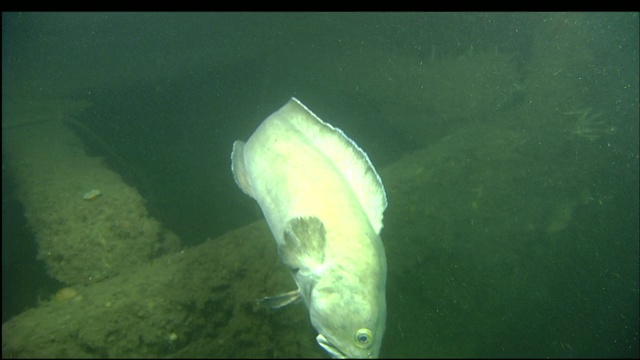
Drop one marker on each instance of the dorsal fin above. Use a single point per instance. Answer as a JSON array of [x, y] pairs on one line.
[[351, 161]]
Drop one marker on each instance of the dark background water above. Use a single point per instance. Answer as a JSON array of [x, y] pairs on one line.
[[171, 92]]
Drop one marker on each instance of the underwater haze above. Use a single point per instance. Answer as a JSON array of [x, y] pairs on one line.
[[507, 144]]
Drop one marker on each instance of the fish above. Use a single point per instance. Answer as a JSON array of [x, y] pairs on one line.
[[323, 201]]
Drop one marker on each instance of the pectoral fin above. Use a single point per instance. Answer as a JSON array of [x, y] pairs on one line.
[[304, 242]]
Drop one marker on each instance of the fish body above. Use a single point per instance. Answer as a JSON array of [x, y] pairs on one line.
[[323, 201]]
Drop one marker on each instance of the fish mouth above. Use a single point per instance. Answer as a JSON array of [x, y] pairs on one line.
[[330, 348]]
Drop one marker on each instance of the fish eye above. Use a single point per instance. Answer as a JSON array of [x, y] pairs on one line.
[[363, 337]]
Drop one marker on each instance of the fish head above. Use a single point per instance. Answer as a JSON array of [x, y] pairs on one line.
[[350, 319], [343, 285]]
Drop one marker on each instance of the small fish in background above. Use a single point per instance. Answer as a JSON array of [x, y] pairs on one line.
[[323, 201]]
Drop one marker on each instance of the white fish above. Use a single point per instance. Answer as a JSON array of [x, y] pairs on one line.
[[323, 201]]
